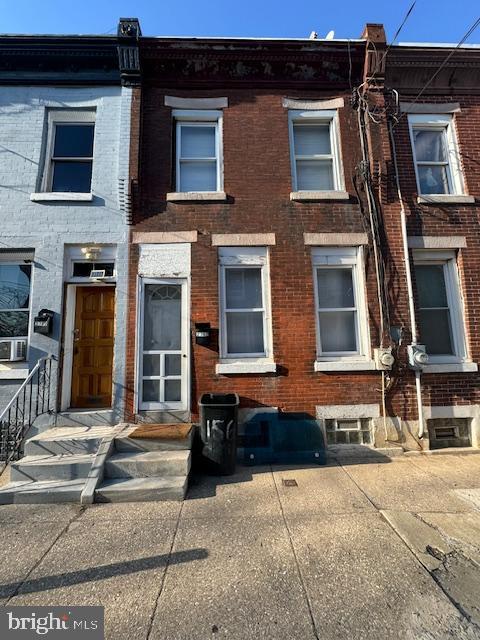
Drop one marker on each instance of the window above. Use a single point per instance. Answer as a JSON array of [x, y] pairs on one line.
[[348, 431], [340, 306], [314, 150], [14, 300], [198, 151], [84, 269], [440, 316], [69, 152], [435, 153], [244, 302]]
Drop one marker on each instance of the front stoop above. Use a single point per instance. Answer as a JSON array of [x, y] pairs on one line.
[[148, 467], [59, 462]]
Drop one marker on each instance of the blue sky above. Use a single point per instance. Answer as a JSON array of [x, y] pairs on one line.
[[431, 20]]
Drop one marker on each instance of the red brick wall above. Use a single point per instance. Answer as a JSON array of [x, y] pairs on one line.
[[258, 183]]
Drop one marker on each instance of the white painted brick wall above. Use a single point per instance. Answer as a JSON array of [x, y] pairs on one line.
[[47, 227]]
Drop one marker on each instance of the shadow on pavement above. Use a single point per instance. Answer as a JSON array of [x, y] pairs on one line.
[[102, 572]]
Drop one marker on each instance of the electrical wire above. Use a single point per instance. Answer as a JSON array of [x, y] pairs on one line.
[[378, 66]]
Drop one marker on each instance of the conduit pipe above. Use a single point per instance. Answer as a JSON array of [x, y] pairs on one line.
[[408, 273]]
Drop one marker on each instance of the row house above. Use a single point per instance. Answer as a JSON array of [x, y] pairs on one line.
[[65, 105], [305, 238], [293, 220]]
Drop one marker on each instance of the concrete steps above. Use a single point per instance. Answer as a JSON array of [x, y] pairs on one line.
[[66, 440], [50, 467], [55, 466], [142, 489], [62, 465], [144, 469], [42, 492], [147, 464]]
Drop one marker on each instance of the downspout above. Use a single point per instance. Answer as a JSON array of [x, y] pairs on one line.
[[408, 273]]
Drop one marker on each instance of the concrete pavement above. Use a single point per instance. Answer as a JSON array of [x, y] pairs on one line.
[[371, 550]]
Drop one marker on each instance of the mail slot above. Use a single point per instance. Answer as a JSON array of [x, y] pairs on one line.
[[43, 322]]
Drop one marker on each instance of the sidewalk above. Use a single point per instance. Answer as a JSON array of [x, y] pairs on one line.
[[372, 550]]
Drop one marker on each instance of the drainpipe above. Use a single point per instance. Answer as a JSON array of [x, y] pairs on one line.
[[408, 273]]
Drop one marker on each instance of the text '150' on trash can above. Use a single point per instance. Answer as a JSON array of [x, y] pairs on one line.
[[218, 430]]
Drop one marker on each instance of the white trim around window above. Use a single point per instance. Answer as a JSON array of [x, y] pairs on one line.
[[328, 158], [211, 182], [56, 118], [439, 175], [452, 306], [245, 270], [340, 266]]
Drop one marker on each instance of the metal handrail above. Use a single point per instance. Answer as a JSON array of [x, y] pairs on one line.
[[28, 402]]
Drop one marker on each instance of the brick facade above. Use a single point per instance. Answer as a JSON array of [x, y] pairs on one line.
[[258, 182]]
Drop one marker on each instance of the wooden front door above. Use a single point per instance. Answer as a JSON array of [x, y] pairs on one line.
[[93, 347]]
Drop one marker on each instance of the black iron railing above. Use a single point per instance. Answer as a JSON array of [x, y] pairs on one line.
[[32, 399]]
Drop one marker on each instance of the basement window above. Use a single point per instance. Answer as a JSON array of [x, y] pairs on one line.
[[348, 431], [449, 432]]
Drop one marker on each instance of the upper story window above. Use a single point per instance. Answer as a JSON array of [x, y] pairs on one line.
[[440, 309], [436, 155], [340, 303], [244, 301], [315, 151], [69, 159], [199, 165]]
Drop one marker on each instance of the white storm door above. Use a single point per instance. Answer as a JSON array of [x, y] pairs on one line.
[[163, 358]]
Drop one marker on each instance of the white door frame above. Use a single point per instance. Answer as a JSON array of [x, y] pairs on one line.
[[184, 404], [68, 342]]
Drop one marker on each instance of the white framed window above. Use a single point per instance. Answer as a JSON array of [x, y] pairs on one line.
[[440, 307], [198, 151], [340, 304], [436, 155], [15, 307], [315, 151], [244, 303], [69, 152]]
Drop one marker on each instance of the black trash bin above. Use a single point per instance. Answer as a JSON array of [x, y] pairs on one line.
[[218, 431]]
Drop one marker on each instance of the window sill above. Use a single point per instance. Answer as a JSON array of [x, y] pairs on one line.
[[446, 199], [14, 372], [344, 365], [319, 195], [197, 196], [245, 367], [55, 196], [458, 367]]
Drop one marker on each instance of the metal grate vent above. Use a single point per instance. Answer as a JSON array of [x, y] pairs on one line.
[[289, 482]]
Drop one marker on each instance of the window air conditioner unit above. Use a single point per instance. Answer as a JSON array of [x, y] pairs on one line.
[[13, 350], [97, 274]]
